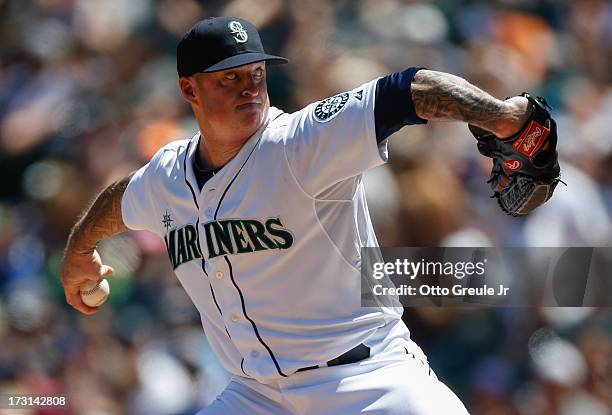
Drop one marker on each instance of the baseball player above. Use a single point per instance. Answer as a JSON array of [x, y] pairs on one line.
[[264, 213]]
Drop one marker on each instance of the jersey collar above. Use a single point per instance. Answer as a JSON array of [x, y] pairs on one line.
[[227, 172]]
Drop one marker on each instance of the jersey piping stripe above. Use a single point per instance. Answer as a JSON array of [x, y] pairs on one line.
[[242, 367], [198, 231], [278, 369], [229, 264], [215, 299], [206, 273], [185, 175], [234, 178], [211, 288]]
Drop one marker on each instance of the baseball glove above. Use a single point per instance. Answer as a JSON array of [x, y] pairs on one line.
[[525, 166]]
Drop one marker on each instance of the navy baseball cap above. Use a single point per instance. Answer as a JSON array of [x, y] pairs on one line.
[[219, 43]]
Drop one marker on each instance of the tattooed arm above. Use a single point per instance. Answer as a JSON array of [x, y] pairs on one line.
[[442, 96], [81, 261], [101, 220]]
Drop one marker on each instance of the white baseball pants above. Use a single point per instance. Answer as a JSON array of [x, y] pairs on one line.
[[390, 383]]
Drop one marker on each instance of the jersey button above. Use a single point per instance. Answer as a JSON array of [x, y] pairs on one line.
[[208, 213], [254, 353], [219, 275], [234, 318]]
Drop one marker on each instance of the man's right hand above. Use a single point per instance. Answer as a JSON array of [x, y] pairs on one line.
[[82, 262], [76, 270]]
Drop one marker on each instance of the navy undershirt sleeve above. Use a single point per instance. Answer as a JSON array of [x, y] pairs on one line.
[[393, 106]]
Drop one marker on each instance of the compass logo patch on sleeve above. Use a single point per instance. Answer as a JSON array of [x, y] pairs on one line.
[[329, 107]]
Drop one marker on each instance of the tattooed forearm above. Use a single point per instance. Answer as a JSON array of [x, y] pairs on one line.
[[442, 96], [101, 220]]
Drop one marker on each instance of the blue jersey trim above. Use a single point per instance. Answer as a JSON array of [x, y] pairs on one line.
[[393, 106], [195, 199], [229, 264]]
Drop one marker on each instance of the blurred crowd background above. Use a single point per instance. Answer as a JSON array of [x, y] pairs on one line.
[[88, 92]]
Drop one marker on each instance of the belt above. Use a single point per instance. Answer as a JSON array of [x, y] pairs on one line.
[[352, 356]]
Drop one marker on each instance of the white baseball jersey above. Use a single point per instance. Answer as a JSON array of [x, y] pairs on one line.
[[269, 249]]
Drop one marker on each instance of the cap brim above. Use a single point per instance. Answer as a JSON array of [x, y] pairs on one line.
[[244, 59]]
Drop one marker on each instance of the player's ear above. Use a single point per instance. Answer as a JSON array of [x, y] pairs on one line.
[[186, 84]]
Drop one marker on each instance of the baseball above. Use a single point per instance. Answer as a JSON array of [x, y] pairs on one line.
[[94, 294]]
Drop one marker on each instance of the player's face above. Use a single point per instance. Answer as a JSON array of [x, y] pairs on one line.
[[234, 99]]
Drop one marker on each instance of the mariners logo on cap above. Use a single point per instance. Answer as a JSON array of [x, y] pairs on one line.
[[329, 107], [236, 29]]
